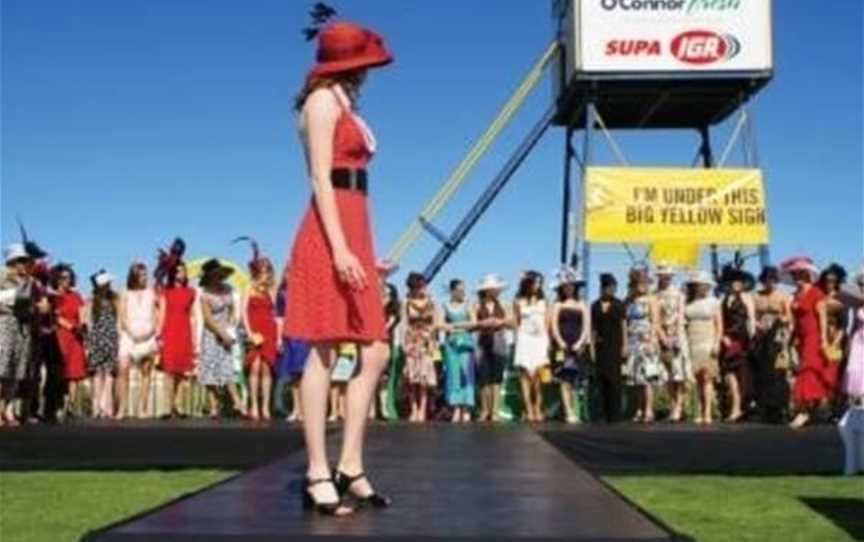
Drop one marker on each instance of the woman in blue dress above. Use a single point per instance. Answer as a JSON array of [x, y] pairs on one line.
[[459, 353]]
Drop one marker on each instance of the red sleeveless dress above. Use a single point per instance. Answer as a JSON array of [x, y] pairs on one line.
[[262, 319], [68, 306], [817, 377], [178, 354], [321, 308]]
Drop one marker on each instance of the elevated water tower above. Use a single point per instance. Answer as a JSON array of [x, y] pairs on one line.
[[624, 64], [655, 64]]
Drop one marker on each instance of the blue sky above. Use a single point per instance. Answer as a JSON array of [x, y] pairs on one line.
[[125, 123]]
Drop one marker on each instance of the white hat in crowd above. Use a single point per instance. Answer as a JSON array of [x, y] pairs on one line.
[[15, 251], [701, 277], [103, 278], [664, 269], [491, 282]]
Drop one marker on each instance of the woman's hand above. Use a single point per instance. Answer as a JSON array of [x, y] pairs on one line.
[[349, 269], [226, 339]]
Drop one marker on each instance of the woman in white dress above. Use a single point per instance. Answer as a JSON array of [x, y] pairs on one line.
[[704, 332], [138, 319], [532, 342]]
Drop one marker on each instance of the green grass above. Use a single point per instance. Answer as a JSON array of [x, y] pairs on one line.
[[740, 509], [62, 506]]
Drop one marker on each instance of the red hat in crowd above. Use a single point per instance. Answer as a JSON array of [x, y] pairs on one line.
[[344, 46]]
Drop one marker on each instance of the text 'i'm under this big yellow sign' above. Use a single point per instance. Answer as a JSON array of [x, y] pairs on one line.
[[644, 205]]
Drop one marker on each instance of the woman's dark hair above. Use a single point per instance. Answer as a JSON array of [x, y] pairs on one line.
[[414, 282], [102, 293], [133, 282], [526, 286], [834, 269], [497, 312], [171, 280], [350, 82], [60, 269], [393, 305], [690, 290], [562, 296], [455, 283]]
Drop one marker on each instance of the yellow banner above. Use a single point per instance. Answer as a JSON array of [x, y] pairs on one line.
[[675, 253], [646, 205]]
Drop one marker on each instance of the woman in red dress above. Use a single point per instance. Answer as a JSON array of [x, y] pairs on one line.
[[333, 287], [69, 308], [177, 325], [259, 319], [817, 377]]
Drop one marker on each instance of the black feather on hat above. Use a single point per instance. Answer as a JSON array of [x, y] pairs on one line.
[[169, 259], [33, 250], [258, 261], [732, 273]]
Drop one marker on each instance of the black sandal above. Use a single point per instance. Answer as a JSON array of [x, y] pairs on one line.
[[343, 484], [325, 509]]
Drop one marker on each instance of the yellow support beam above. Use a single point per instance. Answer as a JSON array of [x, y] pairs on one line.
[[458, 175]]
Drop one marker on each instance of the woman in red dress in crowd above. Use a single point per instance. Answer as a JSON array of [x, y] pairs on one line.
[[177, 324], [259, 319], [817, 377], [333, 288], [69, 308]]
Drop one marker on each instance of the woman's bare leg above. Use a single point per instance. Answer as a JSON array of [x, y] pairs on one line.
[[567, 399], [648, 406], [254, 387], [144, 394], [537, 389], [122, 385], [527, 403], [735, 396], [361, 389], [496, 399], [266, 390]]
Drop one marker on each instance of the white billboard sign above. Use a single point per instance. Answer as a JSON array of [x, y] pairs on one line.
[[633, 36]]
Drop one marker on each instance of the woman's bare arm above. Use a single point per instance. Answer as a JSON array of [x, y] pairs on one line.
[[321, 113]]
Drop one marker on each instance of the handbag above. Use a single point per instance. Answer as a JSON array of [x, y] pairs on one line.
[[144, 349]]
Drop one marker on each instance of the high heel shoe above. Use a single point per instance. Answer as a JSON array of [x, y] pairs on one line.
[[323, 508], [343, 484]]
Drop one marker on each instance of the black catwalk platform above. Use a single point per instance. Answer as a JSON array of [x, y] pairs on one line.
[[448, 483]]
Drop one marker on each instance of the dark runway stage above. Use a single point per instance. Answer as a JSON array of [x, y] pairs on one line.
[[511, 482]]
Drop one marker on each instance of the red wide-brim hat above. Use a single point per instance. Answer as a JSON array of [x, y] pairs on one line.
[[345, 46]]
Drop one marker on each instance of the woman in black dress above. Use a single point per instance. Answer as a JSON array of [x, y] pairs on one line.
[[571, 332], [609, 327], [739, 317]]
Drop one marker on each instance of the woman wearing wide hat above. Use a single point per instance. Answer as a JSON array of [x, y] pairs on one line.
[[739, 325], [220, 315], [493, 350], [571, 329], [816, 378], [16, 312], [333, 287]]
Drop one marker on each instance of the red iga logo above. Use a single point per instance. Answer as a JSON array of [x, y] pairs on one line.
[[633, 48], [704, 47]]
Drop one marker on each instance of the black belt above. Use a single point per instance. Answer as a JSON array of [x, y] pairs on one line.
[[349, 179]]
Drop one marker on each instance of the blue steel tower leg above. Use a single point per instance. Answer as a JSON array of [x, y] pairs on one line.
[[566, 207], [590, 112], [708, 162]]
